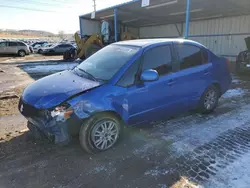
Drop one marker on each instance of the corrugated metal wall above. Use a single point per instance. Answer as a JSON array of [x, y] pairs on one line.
[[133, 30], [88, 27], [224, 36], [160, 31]]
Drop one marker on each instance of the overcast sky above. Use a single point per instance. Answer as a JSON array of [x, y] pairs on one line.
[[49, 15]]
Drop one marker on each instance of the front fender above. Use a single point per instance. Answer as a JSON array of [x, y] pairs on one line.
[[97, 100]]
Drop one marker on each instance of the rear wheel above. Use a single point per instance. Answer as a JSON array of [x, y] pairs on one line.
[[100, 133], [209, 99], [39, 51], [21, 53]]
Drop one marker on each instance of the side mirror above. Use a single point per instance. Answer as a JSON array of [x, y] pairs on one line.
[[149, 75]]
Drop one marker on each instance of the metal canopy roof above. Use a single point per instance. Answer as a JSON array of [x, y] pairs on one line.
[[171, 11]]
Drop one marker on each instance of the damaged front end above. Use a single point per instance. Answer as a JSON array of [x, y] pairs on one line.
[[54, 123]]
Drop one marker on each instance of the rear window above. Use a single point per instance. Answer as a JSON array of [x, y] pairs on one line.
[[191, 56]]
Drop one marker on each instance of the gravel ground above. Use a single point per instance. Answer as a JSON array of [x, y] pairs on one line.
[[190, 150]]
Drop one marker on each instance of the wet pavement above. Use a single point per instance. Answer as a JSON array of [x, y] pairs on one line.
[[191, 150]]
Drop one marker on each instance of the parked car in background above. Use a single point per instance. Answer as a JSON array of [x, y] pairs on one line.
[[243, 59], [14, 48], [38, 43], [31, 49], [125, 83], [40, 48], [58, 49]]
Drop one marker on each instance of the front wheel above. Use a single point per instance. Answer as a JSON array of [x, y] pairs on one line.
[[209, 100], [100, 133]]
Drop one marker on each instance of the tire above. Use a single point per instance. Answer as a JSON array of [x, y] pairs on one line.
[[209, 100], [39, 51], [88, 133], [21, 53]]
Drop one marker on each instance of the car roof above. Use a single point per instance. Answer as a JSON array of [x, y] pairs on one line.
[[148, 42]]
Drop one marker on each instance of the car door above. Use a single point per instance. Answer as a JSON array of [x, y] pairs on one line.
[[12, 48], [147, 101], [3, 47], [62, 48], [58, 48], [67, 47], [192, 75]]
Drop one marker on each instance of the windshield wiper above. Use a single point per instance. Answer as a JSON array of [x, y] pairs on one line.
[[90, 75]]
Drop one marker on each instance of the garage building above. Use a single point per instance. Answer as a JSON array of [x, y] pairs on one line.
[[221, 25]]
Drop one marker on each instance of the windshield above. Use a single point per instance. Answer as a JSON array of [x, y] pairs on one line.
[[105, 63]]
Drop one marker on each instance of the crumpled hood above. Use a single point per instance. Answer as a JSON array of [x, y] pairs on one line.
[[55, 89]]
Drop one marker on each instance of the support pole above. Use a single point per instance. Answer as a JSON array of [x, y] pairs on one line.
[[187, 19], [94, 5], [80, 24], [115, 24]]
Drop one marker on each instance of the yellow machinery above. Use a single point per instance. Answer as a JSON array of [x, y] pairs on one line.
[[91, 44], [128, 36], [84, 44]]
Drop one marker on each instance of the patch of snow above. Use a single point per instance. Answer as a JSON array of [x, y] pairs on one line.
[[237, 174], [156, 173], [48, 68], [234, 92], [142, 150], [236, 81], [162, 186], [196, 131]]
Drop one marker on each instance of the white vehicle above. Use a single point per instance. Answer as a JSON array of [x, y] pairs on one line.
[[39, 48]]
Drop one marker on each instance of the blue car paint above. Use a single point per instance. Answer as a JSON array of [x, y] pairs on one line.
[[144, 102], [54, 89]]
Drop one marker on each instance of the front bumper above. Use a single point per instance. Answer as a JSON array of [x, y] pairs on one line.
[[55, 131], [58, 131]]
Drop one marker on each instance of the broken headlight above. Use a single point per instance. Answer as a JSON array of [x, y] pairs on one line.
[[62, 113]]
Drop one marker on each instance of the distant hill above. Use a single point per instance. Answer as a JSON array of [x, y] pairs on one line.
[[35, 33], [30, 33]]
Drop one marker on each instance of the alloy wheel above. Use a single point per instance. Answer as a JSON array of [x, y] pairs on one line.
[[104, 134], [210, 99]]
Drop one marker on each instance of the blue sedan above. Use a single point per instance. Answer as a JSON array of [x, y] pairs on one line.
[[125, 83]]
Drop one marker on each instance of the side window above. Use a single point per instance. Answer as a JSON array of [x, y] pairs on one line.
[[20, 44], [12, 44], [159, 59], [129, 77], [190, 56], [3, 44]]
